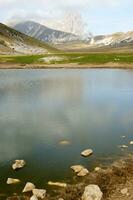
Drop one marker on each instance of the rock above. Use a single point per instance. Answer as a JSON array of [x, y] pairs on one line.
[[60, 199], [97, 169], [123, 136], [39, 193], [34, 198], [131, 142], [12, 181], [87, 152], [18, 164], [92, 192], [124, 146], [124, 191], [57, 184], [77, 168], [83, 172], [64, 142], [28, 187]]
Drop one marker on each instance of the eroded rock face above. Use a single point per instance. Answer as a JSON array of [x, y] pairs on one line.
[[92, 192], [18, 164], [87, 152], [28, 187], [12, 181], [39, 193]]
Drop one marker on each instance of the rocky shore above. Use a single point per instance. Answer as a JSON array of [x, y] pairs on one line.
[[111, 183]]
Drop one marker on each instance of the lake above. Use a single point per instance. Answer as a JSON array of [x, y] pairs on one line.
[[90, 108]]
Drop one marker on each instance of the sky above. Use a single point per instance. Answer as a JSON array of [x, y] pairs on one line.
[[95, 16]]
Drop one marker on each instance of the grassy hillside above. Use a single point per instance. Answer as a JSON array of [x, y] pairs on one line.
[[17, 42]]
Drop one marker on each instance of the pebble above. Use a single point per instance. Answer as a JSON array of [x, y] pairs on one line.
[[12, 181], [28, 187]]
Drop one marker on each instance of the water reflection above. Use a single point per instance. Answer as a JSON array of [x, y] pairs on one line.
[[38, 108]]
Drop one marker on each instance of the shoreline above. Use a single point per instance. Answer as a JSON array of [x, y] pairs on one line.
[[111, 179], [66, 66]]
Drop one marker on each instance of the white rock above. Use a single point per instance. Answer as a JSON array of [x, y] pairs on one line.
[[124, 191], [18, 164], [34, 198], [131, 142], [57, 184], [92, 192], [40, 193], [77, 168], [28, 187], [87, 152], [83, 172], [97, 169], [12, 181], [124, 146]]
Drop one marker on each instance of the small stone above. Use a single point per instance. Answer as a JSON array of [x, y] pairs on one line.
[[83, 172], [124, 146], [39, 193], [87, 152], [28, 187], [64, 142], [123, 136], [131, 142], [60, 199], [18, 164], [12, 181], [97, 169], [92, 192], [34, 198], [77, 168], [124, 191], [57, 184]]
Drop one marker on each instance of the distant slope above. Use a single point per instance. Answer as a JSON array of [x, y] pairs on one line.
[[14, 41], [112, 42], [44, 33]]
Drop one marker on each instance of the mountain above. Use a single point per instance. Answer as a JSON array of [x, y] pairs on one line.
[[14, 41], [114, 40], [44, 33]]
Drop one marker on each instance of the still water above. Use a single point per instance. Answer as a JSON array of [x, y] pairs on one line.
[[91, 108]]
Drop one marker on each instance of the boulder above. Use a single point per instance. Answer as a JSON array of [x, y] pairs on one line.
[[18, 164], [77, 168], [83, 172], [87, 152], [39, 193], [131, 142], [64, 142], [28, 187], [12, 181], [57, 184], [92, 192]]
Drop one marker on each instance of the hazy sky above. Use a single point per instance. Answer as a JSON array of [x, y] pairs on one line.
[[100, 16]]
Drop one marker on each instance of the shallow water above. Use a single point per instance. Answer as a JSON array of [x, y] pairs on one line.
[[91, 108]]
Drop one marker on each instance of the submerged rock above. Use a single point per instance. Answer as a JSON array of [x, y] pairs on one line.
[[97, 169], [131, 142], [12, 181], [124, 146], [18, 164], [77, 168], [29, 187], [57, 184], [34, 198], [92, 192], [39, 193], [83, 172], [64, 142], [87, 152]]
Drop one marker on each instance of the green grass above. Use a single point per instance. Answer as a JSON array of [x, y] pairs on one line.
[[79, 58]]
